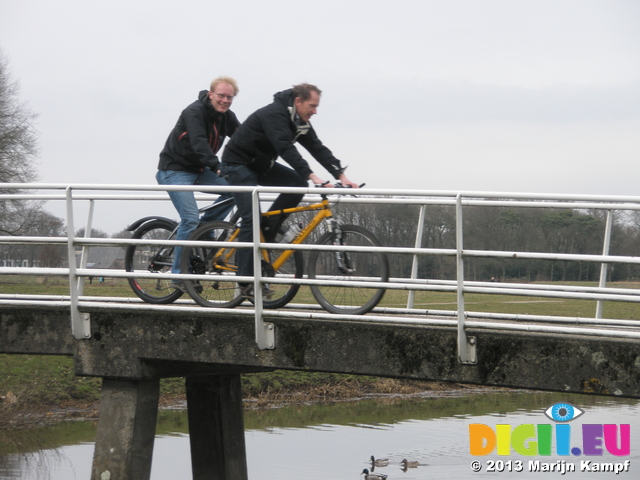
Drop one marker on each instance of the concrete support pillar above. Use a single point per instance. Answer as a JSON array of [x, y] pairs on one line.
[[126, 429], [216, 427]]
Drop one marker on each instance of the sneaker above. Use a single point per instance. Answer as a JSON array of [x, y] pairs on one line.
[[179, 285], [247, 292]]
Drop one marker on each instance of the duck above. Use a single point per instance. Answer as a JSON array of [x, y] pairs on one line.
[[379, 462], [409, 464], [372, 476]]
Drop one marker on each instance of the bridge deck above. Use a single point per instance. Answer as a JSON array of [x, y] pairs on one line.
[[139, 341]]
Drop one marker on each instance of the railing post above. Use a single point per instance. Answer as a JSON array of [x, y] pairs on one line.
[[414, 264], [265, 335], [80, 326], [466, 345], [85, 248], [604, 268]]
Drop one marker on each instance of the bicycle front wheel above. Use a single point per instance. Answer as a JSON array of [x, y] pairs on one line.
[[349, 266], [154, 259], [218, 263]]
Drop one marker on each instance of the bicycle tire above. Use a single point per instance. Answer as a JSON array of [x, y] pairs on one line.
[[284, 292], [216, 292], [368, 266], [152, 258], [226, 294]]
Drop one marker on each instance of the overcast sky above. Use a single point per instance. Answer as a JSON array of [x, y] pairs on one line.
[[491, 95]]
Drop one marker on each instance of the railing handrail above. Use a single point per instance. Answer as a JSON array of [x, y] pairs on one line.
[[459, 199], [333, 191]]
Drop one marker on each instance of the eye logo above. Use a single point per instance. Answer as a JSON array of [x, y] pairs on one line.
[[563, 412]]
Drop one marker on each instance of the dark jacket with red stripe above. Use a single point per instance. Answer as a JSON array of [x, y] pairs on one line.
[[197, 137]]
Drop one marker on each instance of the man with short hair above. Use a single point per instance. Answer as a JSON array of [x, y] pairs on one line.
[[250, 159], [189, 157]]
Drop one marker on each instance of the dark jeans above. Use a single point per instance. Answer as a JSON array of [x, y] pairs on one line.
[[277, 176]]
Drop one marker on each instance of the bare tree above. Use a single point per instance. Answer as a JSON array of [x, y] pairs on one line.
[[18, 137], [95, 233], [42, 224], [18, 150]]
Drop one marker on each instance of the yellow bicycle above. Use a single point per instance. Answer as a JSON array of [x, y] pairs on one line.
[[350, 268]]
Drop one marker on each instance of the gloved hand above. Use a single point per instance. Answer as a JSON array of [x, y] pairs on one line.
[[213, 163]]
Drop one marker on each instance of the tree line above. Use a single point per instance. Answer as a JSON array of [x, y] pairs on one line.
[[485, 228], [513, 229]]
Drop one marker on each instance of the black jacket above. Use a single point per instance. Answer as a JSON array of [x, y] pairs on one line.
[[271, 132], [197, 137]]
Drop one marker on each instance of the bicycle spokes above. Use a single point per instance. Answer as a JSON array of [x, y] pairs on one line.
[[161, 260], [152, 258]]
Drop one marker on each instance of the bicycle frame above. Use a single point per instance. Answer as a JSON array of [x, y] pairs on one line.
[[135, 225], [335, 281], [324, 212]]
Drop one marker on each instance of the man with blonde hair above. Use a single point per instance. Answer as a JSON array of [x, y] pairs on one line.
[[224, 79], [189, 157]]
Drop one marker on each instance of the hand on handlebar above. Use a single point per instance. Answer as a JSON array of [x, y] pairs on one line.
[[348, 183], [343, 182], [338, 184]]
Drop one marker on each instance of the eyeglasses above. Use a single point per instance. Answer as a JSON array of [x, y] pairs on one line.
[[225, 97]]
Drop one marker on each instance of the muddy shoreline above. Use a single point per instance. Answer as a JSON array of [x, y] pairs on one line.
[[27, 415]]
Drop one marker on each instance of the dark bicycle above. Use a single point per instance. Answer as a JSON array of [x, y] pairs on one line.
[[154, 258]]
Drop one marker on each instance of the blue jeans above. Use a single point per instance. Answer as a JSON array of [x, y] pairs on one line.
[[186, 205], [277, 176]]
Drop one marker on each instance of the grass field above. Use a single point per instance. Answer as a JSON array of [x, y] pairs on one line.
[[522, 305], [111, 287]]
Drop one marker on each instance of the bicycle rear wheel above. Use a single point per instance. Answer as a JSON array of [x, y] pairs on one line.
[[349, 266], [154, 259], [219, 263]]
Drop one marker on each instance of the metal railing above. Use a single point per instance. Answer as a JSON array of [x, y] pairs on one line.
[[77, 272]]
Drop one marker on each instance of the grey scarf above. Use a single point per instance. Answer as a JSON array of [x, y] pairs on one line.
[[302, 128]]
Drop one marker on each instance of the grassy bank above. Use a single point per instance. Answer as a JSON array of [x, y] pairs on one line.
[[37, 388]]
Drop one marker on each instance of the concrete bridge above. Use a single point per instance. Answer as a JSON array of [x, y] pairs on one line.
[[132, 347]]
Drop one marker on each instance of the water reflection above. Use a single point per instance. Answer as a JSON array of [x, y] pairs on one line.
[[336, 440], [37, 453]]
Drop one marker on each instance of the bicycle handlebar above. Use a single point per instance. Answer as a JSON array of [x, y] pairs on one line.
[[337, 185]]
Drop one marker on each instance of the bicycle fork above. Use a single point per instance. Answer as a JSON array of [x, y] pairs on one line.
[[343, 259]]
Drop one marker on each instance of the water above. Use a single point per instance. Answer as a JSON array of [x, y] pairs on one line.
[[336, 441]]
